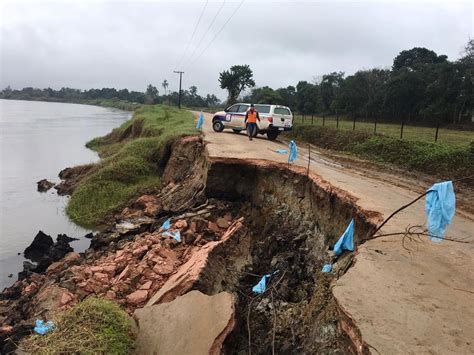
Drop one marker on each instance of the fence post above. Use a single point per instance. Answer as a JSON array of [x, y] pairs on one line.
[[437, 129], [375, 125], [337, 120], [312, 118], [401, 129], [354, 124], [324, 120]]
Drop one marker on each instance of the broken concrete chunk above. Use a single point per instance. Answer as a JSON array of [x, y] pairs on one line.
[[165, 328]]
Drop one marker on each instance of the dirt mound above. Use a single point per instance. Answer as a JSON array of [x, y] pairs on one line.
[[71, 177]]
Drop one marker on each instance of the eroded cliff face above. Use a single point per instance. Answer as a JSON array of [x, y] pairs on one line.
[[238, 220], [292, 220]]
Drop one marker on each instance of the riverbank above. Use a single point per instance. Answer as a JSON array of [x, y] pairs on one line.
[[220, 241], [38, 139], [132, 159]]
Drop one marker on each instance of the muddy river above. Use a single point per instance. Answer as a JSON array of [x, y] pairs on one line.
[[37, 140]]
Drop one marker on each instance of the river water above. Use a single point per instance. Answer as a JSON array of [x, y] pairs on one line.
[[37, 140]]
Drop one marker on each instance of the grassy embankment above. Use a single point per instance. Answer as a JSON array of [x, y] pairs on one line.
[[440, 159], [130, 162], [94, 326], [120, 104]]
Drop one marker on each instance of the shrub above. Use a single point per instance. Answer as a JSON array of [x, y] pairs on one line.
[[94, 326]]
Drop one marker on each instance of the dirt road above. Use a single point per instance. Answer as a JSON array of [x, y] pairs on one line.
[[412, 299]]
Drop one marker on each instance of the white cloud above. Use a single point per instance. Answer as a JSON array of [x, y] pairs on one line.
[[130, 44]]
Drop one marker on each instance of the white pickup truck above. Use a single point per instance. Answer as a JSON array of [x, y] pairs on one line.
[[273, 119]]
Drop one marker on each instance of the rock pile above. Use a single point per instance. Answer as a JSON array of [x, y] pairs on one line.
[[129, 270]]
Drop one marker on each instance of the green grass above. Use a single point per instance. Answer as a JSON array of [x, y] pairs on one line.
[[131, 161], [120, 104], [94, 326], [453, 137], [444, 160]]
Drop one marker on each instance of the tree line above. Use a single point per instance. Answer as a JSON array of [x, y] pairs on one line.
[[151, 95], [421, 85]]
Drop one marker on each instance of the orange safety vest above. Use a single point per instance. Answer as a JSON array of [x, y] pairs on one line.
[[252, 117]]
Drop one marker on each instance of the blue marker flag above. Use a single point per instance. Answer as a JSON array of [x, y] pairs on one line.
[[440, 209], [42, 327], [327, 268], [200, 121], [166, 224], [262, 285], [346, 241], [175, 235], [293, 152]]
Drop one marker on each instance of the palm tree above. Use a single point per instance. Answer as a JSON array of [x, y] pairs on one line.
[[165, 85]]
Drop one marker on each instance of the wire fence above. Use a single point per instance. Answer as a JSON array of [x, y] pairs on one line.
[[459, 136]]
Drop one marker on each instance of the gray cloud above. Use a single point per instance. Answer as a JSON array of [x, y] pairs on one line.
[[105, 44]]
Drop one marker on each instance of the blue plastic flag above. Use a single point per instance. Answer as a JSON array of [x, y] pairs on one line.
[[440, 209], [42, 327], [200, 121], [346, 241], [281, 151], [327, 268], [262, 285], [166, 225], [175, 235], [293, 152]]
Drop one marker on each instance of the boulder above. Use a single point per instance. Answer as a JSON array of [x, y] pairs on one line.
[[137, 297], [191, 324], [40, 247], [44, 252], [44, 185], [146, 285]]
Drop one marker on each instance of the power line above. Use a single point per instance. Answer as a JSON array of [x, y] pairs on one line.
[[194, 33], [216, 35], [207, 30]]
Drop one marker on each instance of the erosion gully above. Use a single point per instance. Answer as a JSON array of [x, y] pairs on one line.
[[291, 220]]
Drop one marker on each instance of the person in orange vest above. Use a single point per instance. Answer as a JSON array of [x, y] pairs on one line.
[[251, 118]]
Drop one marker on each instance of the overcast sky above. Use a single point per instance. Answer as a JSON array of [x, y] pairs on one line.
[[129, 44]]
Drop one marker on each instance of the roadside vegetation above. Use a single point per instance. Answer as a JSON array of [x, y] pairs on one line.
[[94, 326], [453, 137], [131, 157], [440, 159]]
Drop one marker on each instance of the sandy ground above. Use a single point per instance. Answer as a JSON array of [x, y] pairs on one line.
[[411, 299]]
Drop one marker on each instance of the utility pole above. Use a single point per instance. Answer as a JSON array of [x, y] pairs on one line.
[[180, 77]]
